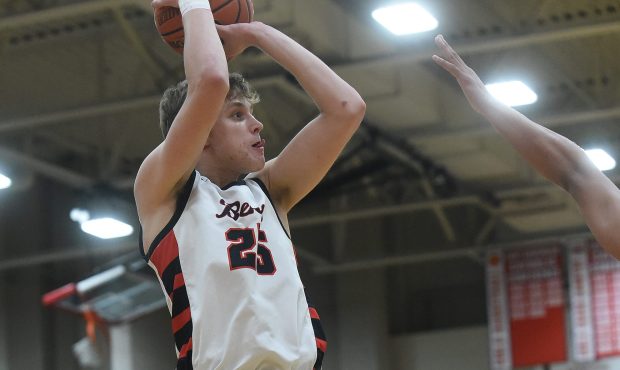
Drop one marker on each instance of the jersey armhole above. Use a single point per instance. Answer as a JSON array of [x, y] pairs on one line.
[[264, 189], [180, 207]]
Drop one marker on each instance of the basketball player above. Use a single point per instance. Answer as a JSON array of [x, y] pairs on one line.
[[552, 155], [219, 240]]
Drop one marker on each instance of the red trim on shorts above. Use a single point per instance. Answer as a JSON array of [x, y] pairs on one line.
[[321, 344]]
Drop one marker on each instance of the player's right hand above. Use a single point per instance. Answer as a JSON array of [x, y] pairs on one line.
[[161, 3], [237, 37]]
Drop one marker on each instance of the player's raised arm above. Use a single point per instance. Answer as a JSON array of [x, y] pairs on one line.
[[552, 155], [167, 168], [308, 157]]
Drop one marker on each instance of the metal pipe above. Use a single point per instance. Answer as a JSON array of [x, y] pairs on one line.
[[476, 130], [66, 255], [393, 261], [484, 46], [65, 11], [58, 173], [385, 211], [467, 252], [79, 113]]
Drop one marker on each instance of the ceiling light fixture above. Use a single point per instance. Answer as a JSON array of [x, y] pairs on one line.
[[512, 93], [5, 182], [405, 18], [601, 159], [104, 227]]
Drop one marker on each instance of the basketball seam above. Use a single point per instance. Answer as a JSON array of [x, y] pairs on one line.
[[238, 12], [250, 10], [171, 32], [221, 6]]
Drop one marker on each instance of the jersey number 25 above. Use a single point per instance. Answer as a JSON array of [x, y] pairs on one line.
[[241, 252]]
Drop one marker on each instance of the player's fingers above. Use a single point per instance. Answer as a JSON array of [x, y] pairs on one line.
[[157, 3], [452, 55], [455, 57], [451, 68], [222, 30], [439, 41], [161, 3], [447, 48]]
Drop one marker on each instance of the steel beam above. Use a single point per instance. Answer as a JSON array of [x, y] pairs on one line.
[[411, 259], [65, 11], [53, 171]]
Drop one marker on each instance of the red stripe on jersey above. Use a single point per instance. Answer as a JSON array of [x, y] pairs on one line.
[[165, 252], [186, 347], [181, 319], [313, 313], [178, 281], [321, 344]]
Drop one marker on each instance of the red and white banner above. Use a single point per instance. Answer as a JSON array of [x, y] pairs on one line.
[[605, 285], [582, 341], [499, 333], [526, 307], [537, 306], [595, 302]]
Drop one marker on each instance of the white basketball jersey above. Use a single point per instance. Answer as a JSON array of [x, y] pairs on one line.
[[229, 274]]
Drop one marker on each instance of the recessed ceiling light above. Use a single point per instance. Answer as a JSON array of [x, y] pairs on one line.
[[405, 18], [512, 93], [601, 159], [5, 182], [106, 228]]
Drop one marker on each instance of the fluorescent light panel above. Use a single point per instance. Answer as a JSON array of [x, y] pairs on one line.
[[5, 182], [601, 159], [512, 93], [106, 228], [405, 18]]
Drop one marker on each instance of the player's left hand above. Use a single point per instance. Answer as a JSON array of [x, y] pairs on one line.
[[235, 38]]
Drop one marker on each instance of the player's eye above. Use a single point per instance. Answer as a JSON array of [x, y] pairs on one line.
[[238, 115]]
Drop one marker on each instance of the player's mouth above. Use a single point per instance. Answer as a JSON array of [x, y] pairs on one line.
[[259, 144]]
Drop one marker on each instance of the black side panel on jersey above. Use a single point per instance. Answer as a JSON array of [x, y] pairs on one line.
[[264, 188], [319, 335], [180, 207]]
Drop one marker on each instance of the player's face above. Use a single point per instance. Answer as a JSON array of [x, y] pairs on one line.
[[235, 137]]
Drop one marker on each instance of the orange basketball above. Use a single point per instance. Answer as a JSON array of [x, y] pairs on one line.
[[170, 25]]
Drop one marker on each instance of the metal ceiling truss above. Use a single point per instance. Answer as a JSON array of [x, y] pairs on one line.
[[437, 180]]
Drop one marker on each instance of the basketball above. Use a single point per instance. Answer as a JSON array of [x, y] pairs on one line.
[[170, 25]]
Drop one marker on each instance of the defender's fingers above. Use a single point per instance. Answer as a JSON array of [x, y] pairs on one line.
[[451, 55], [451, 68], [441, 44], [456, 58]]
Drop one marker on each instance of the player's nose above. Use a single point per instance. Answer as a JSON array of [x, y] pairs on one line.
[[256, 126]]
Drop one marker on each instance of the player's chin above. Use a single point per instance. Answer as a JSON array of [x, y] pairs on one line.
[[257, 164]]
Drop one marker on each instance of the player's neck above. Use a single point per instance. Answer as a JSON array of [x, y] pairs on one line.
[[219, 176]]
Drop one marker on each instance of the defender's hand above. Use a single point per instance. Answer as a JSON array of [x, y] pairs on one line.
[[236, 37], [473, 88]]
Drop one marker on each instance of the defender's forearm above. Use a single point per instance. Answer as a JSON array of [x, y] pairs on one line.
[[552, 155]]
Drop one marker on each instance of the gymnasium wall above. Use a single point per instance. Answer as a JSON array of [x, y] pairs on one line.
[[463, 349]]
